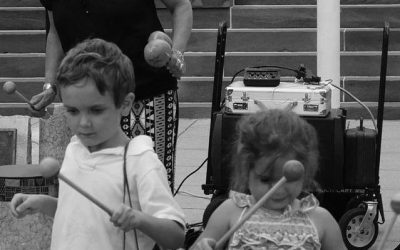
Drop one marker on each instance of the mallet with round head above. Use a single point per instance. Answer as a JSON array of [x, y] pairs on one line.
[[160, 35], [157, 53], [50, 166], [395, 204], [11, 88], [293, 170]]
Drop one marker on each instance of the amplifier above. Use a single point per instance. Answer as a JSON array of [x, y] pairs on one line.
[[261, 77], [330, 131]]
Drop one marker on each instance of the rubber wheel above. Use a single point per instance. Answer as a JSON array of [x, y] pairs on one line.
[[355, 202], [349, 224]]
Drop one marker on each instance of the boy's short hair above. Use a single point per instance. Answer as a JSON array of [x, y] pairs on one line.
[[101, 61]]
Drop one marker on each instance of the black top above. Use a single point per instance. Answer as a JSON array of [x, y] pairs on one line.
[[127, 23]]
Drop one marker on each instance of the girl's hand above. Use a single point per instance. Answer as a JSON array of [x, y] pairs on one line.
[[204, 244], [125, 218], [176, 65], [24, 204]]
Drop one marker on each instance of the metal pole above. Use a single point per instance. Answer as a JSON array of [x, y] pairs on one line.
[[328, 44]]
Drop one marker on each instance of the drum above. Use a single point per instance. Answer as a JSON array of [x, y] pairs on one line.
[[32, 232]]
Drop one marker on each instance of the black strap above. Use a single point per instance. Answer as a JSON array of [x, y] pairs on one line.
[[126, 182], [126, 189]]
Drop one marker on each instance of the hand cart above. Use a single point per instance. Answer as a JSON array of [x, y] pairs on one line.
[[355, 208]]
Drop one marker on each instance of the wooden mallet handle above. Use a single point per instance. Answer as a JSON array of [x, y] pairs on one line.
[[93, 199], [50, 166], [11, 88], [292, 171]]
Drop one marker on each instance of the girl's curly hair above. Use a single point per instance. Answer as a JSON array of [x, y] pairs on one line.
[[271, 133]]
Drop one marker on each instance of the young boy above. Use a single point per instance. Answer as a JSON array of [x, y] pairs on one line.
[[95, 80]]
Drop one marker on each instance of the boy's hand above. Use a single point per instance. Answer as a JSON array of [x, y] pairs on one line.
[[23, 204], [125, 218], [204, 244]]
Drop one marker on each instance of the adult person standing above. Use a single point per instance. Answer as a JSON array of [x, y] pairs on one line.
[[128, 24]]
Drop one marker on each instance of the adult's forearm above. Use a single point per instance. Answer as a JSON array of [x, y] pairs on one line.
[[182, 16], [54, 52]]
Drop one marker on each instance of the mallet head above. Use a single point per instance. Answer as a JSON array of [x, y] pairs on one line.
[[293, 170], [160, 35], [9, 87], [157, 53], [49, 167]]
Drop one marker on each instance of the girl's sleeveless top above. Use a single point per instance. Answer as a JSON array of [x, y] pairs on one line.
[[293, 229]]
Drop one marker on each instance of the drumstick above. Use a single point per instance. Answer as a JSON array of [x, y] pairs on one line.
[[50, 166], [11, 88], [292, 171], [395, 204], [86, 194]]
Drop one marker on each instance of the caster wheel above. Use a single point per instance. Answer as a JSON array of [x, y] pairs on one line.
[[354, 238], [355, 202]]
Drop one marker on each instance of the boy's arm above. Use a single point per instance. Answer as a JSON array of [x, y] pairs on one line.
[[156, 229], [160, 216], [49, 205], [328, 230], [165, 232], [24, 204]]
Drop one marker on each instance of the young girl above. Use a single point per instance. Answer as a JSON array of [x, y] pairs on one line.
[[267, 140], [94, 80]]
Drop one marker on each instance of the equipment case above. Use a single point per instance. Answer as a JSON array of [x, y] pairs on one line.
[[303, 99], [360, 145]]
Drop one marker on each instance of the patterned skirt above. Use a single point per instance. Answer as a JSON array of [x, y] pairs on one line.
[[158, 118]]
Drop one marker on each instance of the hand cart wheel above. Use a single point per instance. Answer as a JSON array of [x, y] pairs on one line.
[[357, 232]]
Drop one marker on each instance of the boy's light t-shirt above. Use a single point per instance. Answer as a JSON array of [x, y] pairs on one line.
[[80, 224]]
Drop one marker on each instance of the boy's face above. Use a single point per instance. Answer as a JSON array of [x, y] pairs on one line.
[[93, 117], [261, 181]]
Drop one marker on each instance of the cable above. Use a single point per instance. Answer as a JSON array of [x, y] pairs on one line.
[[329, 82], [194, 195], [197, 169]]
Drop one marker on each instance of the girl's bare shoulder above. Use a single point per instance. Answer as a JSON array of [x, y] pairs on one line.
[[228, 212], [230, 207]]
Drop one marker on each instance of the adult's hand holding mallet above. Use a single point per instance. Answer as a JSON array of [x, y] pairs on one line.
[[50, 166], [158, 53], [293, 170], [11, 88], [395, 204], [158, 49]]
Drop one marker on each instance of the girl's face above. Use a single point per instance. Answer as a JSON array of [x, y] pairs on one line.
[[93, 117], [261, 180]]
